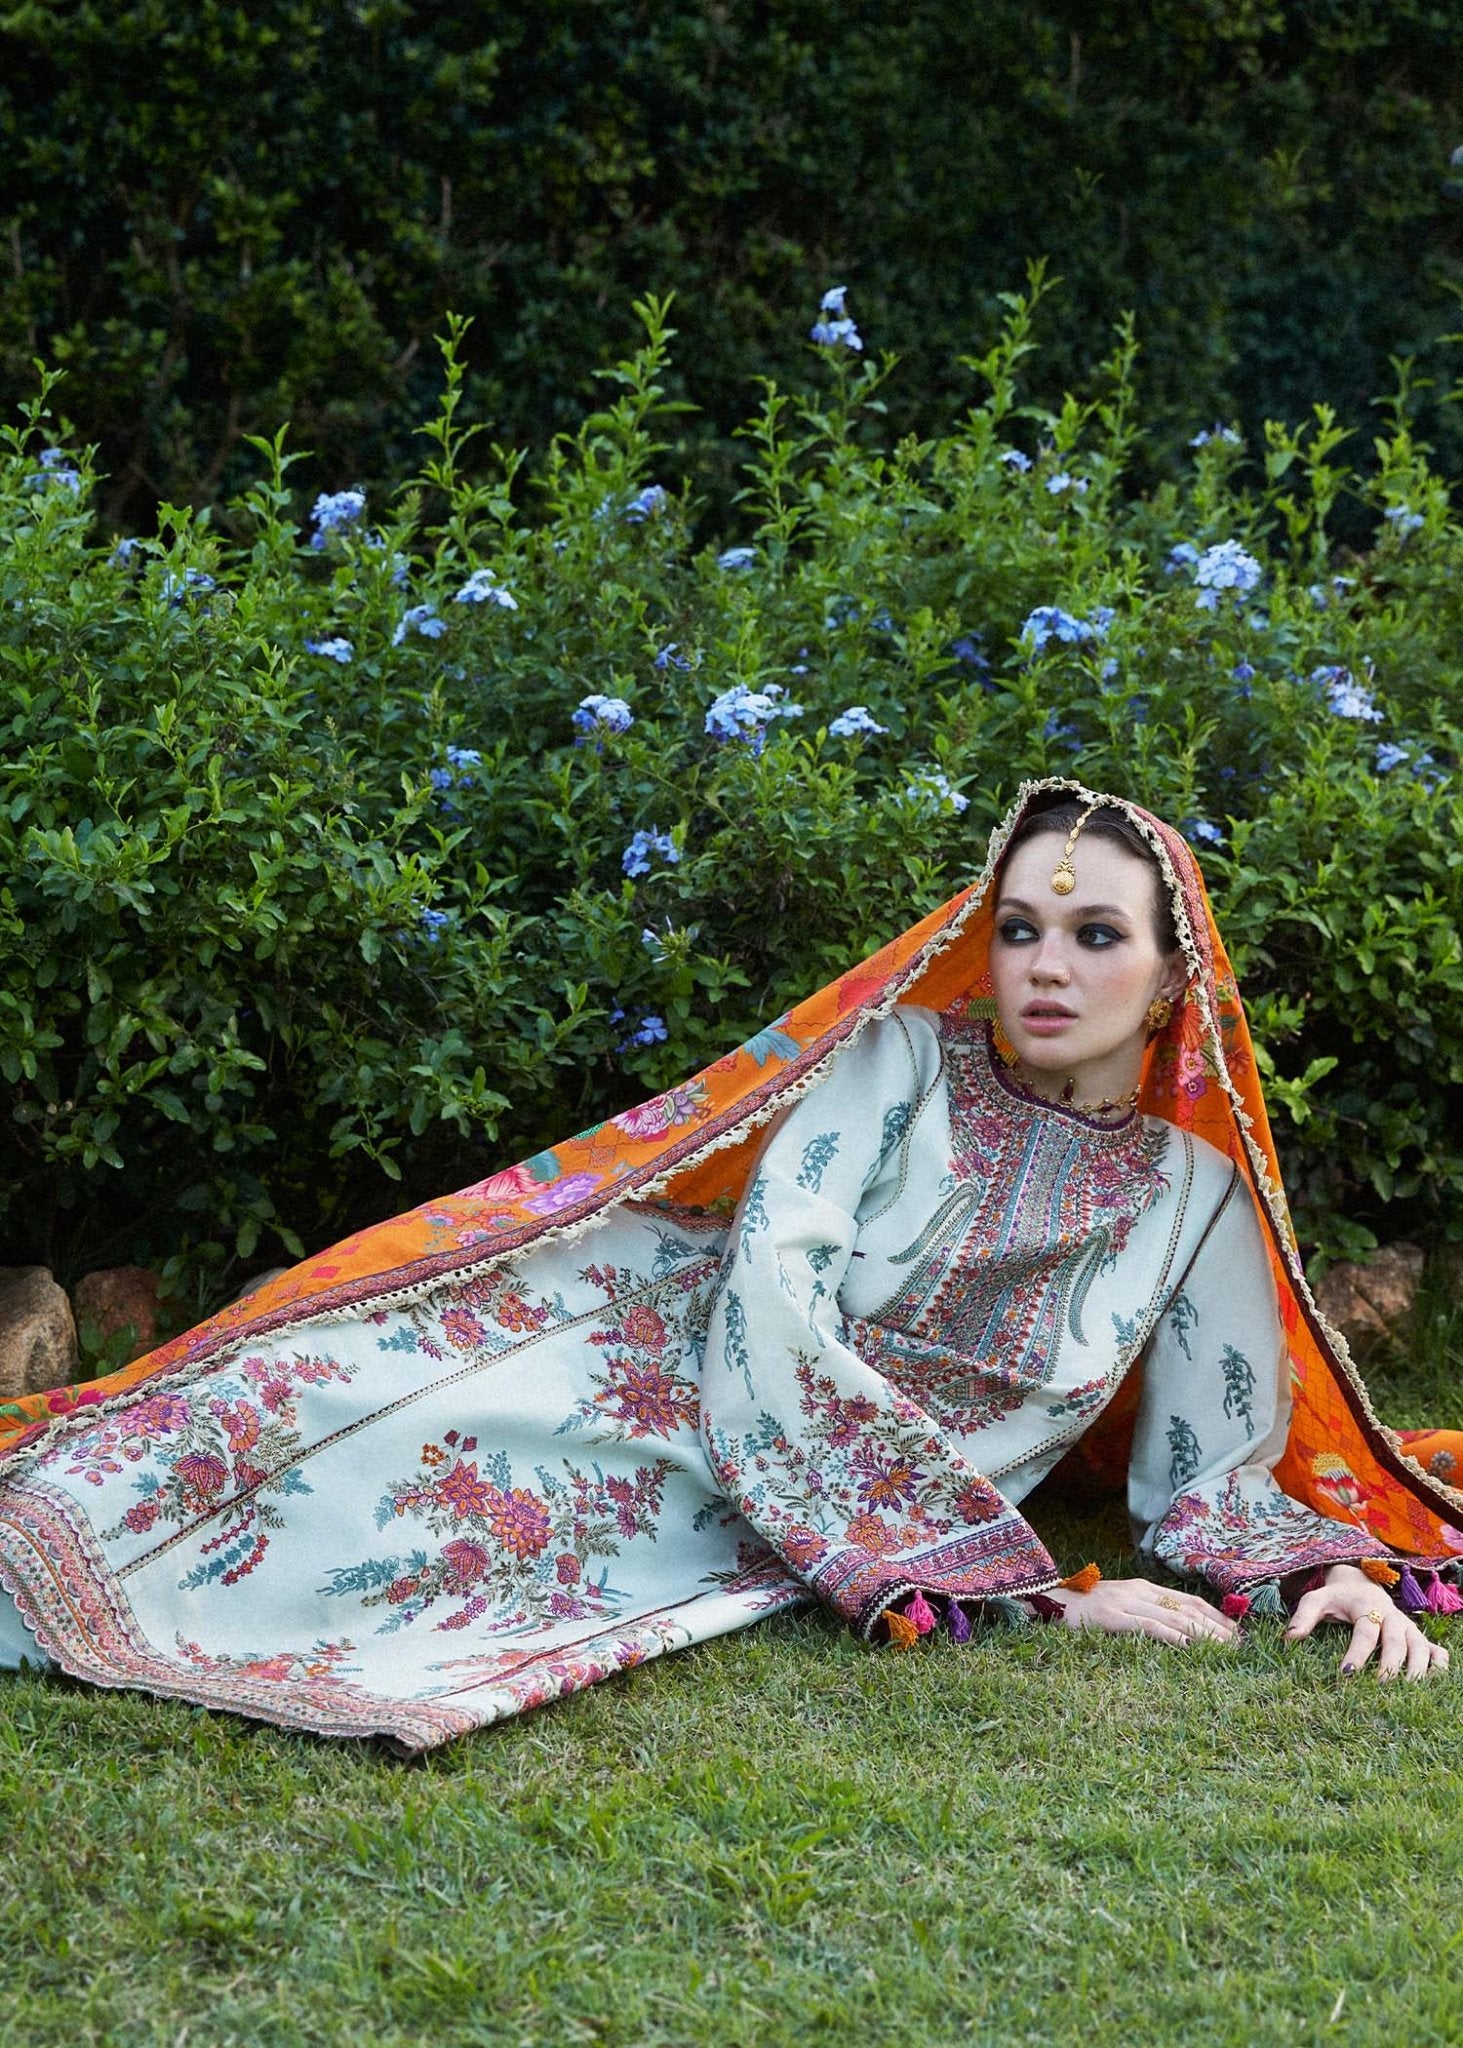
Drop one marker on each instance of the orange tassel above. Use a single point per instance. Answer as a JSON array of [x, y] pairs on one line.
[[1379, 1573], [1083, 1581], [902, 1633]]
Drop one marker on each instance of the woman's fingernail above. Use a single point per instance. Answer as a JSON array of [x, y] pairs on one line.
[[1348, 1670]]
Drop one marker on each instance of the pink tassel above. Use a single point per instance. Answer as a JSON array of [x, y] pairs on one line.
[[958, 1622], [1409, 1595], [1442, 1599], [1235, 1605], [919, 1611], [1045, 1608]]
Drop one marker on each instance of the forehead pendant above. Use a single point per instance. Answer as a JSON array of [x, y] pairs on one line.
[[1064, 879]]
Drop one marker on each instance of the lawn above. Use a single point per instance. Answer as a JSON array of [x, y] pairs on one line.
[[777, 1838]]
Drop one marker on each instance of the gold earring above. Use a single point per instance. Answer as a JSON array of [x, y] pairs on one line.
[[1157, 1014]]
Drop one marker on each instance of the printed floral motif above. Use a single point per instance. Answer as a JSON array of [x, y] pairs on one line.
[[513, 1556], [223, 1449], [322, 1664], [682, 1105], [857, 1473], [1248, 1530], [637, 1390]]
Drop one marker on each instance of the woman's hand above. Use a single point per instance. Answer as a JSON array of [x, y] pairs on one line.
[[1377, 1625], [1135, 1607]]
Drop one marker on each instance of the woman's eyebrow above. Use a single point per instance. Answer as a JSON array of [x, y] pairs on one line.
[[1069, 909]]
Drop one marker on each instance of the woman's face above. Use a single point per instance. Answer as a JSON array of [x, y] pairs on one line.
[[1074, 975]]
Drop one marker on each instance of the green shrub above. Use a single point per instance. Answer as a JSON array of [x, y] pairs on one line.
[[322, 871], [219, 217]]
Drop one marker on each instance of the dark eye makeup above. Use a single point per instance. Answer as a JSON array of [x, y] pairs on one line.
[[1019, 931]]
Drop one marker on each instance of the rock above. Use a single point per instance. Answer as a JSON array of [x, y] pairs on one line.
[[1370, 1303], [37, 1333], [117, 1296]]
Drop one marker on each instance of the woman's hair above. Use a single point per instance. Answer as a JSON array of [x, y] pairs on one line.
[[1057, 816]]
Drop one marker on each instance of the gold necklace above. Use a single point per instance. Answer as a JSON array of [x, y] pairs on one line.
[[1109, 1106]]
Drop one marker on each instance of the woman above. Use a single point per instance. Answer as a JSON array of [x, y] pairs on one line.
[[495, 1449]]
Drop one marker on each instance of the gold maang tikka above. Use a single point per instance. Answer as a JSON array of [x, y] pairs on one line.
[[1064, 878]]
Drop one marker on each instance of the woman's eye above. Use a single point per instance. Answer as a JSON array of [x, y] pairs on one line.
[[1098, 935], [1015, 931]]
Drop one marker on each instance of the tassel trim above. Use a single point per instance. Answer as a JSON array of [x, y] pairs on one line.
[[919, 1611], [1378, 1571], [1265, 1598], [1083, 1581], [1235, 1605], [902, 1633], [1409, 1595]]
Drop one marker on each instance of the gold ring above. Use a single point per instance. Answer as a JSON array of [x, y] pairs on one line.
[[1167, 1600], [1373, 1616]]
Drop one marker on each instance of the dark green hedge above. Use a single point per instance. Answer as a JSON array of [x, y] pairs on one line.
[[216, 217]]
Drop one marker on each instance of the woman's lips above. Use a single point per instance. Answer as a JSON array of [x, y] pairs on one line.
[[1046, 1023]]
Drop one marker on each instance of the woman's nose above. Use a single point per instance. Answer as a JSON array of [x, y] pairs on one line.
[[1048, 961]]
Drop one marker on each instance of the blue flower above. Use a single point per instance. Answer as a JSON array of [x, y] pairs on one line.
[[123, 553], [1049, 622], [1345, 695], [56, 468], [669, 657], [603, 714], [434, 923], [1182, 555], [743, 714], [857, 719], [1215, 433], [464, 757], [1062, 481], [1389, 756], [647, 504], [839, 331], [1199, 832], [481, 588], [1058, 728], [1404, 519], [1242, 672], [1014, 459], [441, 778], [970, 648], [931, 791], [335, 512], [636, 858], [192, 583], [736, 558], [421, 619], [649, 1031], [1225, 566], [333, 650]]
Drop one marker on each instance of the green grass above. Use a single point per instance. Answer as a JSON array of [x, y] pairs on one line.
[[777, 1838]]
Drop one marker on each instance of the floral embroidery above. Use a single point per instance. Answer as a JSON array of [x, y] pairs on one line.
[[1058, 1195], [1239, 1385], [1182, 1318], [818, 1155], [1187, 1456], [513, 1556]]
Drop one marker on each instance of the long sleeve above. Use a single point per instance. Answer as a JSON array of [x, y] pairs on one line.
[[1213, 1421], [851, 1483]]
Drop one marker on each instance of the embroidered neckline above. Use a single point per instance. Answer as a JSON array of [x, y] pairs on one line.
[[1042, 1105]]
